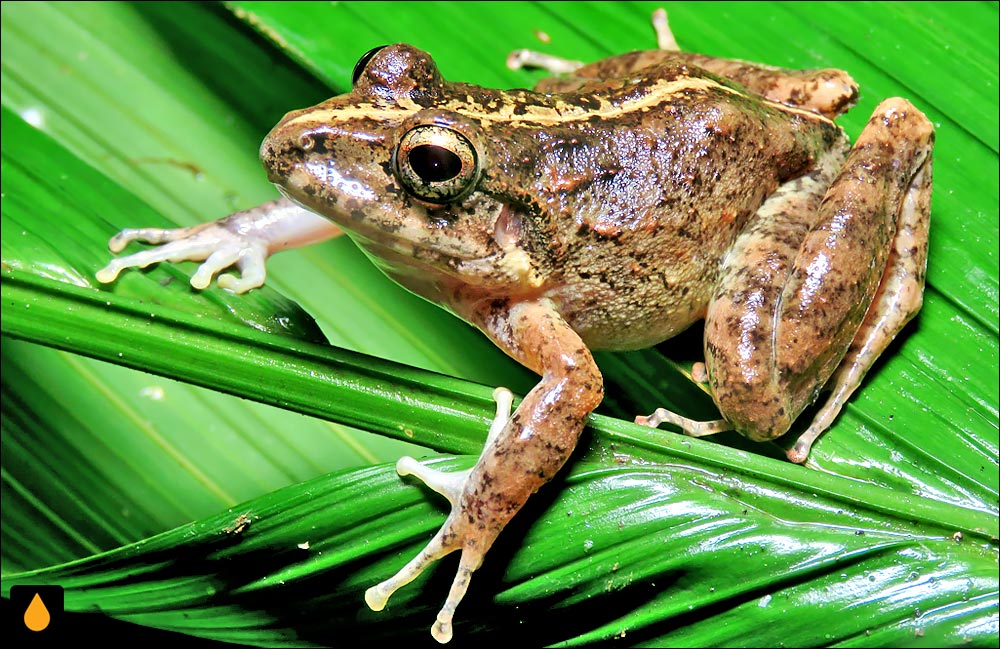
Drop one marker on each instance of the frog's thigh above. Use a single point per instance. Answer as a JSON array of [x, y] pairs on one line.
[[740, 342], [770, 354], [827, 91], [895, 124]]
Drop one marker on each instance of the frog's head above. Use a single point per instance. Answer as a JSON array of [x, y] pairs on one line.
[[398, 163]]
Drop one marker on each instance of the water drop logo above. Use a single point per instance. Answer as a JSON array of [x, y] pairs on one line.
[[36, 616], [37, 613]]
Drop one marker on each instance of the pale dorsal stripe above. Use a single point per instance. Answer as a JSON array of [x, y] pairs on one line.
[[560, 113]]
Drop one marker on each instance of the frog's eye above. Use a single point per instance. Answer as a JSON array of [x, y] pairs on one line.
[[436, 164], [359, 67]]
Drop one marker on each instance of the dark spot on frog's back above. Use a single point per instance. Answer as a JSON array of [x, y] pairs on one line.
[[520, 107]]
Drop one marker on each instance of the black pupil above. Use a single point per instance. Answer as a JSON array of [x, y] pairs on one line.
[[434, 163], [359, 67]]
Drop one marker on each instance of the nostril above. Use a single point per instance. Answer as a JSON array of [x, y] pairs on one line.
[[306, 142]]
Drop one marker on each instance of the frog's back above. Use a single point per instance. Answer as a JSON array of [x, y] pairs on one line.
[[645, 197]]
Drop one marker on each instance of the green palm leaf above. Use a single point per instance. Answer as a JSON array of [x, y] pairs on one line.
[[116, 115]]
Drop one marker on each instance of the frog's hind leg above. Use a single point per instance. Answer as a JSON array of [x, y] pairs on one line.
[[800, 296], [690, 427], [532, 59], [900, 293], [664, 36], [828, 91], [749, 288]]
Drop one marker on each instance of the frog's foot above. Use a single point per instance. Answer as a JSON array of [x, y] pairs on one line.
[[531, 59], [211, 243], [842, 384], [690, 427], [451, 486], [664, 37], [800, 450]]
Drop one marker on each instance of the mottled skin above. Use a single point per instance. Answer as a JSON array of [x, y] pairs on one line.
[[611, 211], [622, 220]]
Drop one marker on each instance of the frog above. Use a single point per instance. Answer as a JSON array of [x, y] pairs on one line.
[[610, 208]]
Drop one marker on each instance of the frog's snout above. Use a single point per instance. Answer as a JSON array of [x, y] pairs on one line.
[[289, 147], [276, 152]]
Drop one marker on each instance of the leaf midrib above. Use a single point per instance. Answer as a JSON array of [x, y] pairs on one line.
[[48, 312]]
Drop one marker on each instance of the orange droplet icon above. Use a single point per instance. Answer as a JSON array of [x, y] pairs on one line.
[[36, 617]]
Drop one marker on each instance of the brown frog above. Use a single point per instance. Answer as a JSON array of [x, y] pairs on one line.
[[608, 209]]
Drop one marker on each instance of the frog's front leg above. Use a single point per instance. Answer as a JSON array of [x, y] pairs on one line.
[[243, 239], [802, 295], [523, 452]]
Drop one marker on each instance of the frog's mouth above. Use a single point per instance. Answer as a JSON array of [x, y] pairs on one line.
[[399, 253], [412, 265]]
